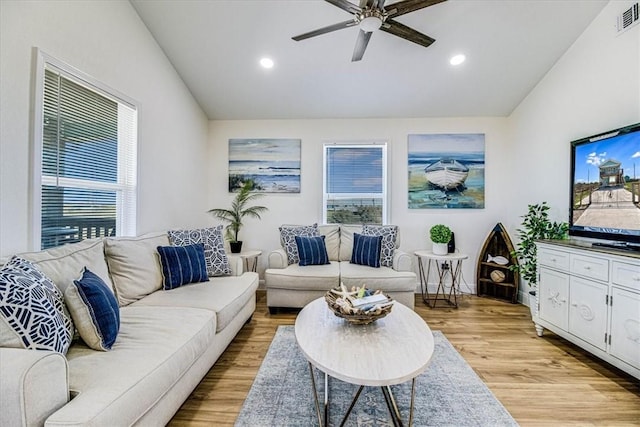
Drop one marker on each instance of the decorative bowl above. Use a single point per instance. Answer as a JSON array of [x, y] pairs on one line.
[[356, 316]]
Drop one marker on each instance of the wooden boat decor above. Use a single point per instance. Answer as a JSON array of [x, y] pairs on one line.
[[494, 279]]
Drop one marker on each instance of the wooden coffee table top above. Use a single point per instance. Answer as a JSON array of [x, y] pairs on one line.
[[389, 351]]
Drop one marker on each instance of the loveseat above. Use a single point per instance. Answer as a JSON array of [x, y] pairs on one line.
[[167, 340], [289, 284]]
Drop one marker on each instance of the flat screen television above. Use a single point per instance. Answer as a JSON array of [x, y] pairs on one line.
[[605, 188]]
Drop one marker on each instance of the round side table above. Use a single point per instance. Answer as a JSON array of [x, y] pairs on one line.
[[250, 258], [445, 265]]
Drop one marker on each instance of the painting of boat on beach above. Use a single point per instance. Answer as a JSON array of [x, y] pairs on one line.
[[446, 171], [273, 165]]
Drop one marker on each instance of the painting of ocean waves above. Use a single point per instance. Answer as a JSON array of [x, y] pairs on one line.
[[273, 165]]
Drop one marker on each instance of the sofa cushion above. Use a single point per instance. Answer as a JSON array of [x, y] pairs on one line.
[[214, 252], [346, 240], [155, 348], [366, 250], [64, 264], [134, 265], [94, 311], [223, 295], [32, 309], [331, 233], [384, 278], [288, 235], [312, 250], [182, 265], [389, 234], [314, 277]]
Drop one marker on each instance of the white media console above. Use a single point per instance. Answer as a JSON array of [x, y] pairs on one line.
[[591, 297]]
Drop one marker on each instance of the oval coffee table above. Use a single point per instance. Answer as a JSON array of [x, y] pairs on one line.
[[389, 351]]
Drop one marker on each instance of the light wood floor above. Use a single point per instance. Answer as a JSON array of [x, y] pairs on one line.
[[541, 381]]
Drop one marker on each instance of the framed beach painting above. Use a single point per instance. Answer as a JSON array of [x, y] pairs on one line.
[[272, 164], [446, 171]]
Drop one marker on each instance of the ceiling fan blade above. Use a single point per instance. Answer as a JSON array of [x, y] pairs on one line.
[[371, 4], [361, 45], [324, 30], [402, 31], [345, 5], [406, 6]]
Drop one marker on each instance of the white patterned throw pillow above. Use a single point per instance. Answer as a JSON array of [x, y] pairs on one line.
[[214, 253], [32, 309], [389, 235], [288, 235]]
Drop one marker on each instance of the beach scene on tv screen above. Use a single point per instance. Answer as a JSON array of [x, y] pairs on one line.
[[606, 186]]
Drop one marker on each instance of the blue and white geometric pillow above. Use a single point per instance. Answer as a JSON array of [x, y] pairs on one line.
[[33, 308], [389, 235], [214, 253], [288, 235]]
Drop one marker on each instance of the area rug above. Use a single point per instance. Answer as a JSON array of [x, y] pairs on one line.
[[448, 393]]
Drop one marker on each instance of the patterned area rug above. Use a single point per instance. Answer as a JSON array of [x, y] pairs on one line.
[[449, 393]]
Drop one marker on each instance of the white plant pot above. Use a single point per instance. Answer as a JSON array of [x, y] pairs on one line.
[[440, 249]]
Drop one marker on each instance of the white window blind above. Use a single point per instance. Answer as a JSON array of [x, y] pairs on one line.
[[355, 183], [88, 162]]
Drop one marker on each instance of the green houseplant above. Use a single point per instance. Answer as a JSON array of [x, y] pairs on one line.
[[440, 236], [239, 209], [535, 226]]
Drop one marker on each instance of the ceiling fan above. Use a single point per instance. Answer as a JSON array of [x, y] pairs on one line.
[[371, 15]]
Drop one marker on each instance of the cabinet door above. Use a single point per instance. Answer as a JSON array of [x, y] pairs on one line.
[[588, 311], [625, 326], [554, 294]]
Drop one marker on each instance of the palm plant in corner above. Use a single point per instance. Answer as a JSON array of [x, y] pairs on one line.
[[239, 210]]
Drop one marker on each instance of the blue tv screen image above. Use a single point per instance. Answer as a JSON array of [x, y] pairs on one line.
[[606, 186]]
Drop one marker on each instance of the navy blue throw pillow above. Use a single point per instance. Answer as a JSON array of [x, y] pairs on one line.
[[182, 265], [366, 250], [312, 250], [94, 311]]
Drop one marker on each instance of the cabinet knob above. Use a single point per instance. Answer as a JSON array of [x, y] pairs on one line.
[[574, 304], [636, 278]]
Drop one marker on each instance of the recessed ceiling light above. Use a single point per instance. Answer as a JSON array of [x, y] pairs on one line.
[[266, 63], [457, 59]]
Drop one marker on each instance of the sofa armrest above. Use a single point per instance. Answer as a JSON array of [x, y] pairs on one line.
[[278, 259], [34, 385], [236, 264], [402, 261]]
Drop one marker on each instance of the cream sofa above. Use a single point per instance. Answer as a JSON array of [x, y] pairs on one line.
[[295, 286], [168, 341]]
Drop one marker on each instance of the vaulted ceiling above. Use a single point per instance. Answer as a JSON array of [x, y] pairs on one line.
[[216, 46]]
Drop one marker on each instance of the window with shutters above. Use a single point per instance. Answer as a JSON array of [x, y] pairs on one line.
[[87, 160], [355, 183]]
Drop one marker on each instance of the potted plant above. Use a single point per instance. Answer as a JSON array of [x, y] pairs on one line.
[[535, 226], [440, 236], [239, 210]]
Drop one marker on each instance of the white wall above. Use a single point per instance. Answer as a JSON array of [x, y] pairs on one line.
[[107, 40], [471, 226], [593, 88]]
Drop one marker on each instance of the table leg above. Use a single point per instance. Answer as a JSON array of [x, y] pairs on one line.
[[315, 395], [424, 280], [353, 403]]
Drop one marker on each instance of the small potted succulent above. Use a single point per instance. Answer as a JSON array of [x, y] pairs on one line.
[[440, 236]]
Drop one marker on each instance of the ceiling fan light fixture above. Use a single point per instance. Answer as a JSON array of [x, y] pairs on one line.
[[370, 23]]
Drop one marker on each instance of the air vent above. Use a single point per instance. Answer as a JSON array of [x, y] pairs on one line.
[[628, 18]]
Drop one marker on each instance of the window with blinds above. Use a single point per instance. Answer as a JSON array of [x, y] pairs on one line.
[[88, 162], [355, 184]]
